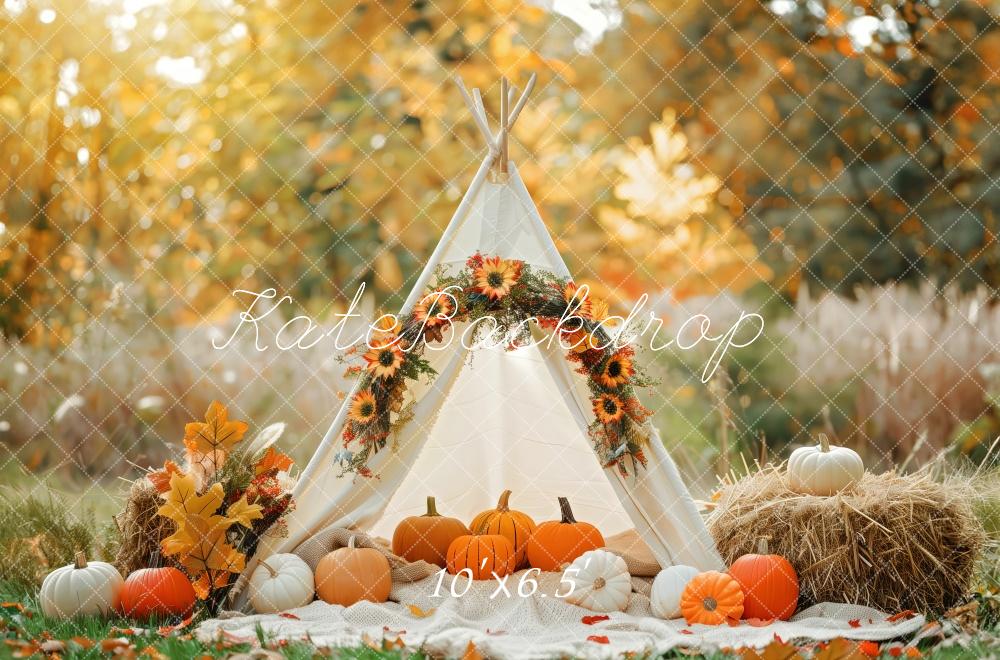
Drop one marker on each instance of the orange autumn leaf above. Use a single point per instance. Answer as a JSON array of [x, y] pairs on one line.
[[273, 460], [216, 434], [161, 478], [594, 618], [840, 649], [901, 616], [776, 650], [599, 639], [471, 652], [419, 612]]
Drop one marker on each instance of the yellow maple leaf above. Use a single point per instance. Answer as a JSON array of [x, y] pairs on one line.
[[216, 434], [183, 499], [243, 513]]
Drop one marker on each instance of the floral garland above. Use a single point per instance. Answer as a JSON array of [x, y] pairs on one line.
[[511, 293]]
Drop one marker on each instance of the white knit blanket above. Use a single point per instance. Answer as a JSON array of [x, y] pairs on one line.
[[537, 626]]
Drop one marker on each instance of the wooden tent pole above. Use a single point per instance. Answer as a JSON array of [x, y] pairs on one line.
[[504, 128]]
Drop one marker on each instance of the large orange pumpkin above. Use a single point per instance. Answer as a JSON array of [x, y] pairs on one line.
[[482, 554], [427, 537], [713, 598], [348, 575], [160, 591], [770, 584], [558, 542], [514, 525]]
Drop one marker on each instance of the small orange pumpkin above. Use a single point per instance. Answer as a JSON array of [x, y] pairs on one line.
[[712, 598], [348, 575], [482, 554], [558, 542], [514, 525], [427, 537], [769, 583], [160, 591]]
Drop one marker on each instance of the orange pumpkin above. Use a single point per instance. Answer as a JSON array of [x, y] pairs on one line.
[[161, 591], [558, 542], [713, 598], [514, 525], [769, 583], [427, 537], [482, 554], [348, 575]]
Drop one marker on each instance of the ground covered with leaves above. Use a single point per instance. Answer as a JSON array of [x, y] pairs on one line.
[[27, 633]]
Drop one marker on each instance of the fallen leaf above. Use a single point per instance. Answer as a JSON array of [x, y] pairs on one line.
[[115, 644], [685, 631], [11, 605], [595, 618], [839, 649], [901, 616], [870, 649], [82, 642], [52, 646], [289, 615], [599, 639], [854, 623], [776, 650], [754, 622], [167, 630], [419, 612], [471, 652]]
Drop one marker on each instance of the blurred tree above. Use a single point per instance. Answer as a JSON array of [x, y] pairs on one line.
[[187, 148]]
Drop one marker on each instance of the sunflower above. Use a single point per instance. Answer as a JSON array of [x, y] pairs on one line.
[[615, 372], [578, 297], [435, 309], [608, 408], [363, 407], [384, 359], [496, 277]]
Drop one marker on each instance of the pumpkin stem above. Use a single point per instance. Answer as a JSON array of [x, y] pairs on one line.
[[80, 560], [762, 547], [155, 558], [350, 541], [274, 573], [504, 503], [600, 583], [824, 443], [567, 513], [709, 603], [431, 507]]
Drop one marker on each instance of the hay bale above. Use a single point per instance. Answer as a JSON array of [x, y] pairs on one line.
[[141, 528], [893, 542]]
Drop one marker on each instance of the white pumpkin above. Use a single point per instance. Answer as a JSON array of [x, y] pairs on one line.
[[665, 597], [823, 469], [81, 588], [281, 582], [600, 581]]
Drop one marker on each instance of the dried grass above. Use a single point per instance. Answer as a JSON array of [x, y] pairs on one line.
[[141, 529], [893, 542]]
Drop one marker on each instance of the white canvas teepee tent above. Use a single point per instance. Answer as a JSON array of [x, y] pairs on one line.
[[494, 419]]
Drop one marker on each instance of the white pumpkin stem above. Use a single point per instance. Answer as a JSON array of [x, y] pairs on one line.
[[350, 541], [600, 583], [762, 547], [80, 560], [824, 443], [270, 569]]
